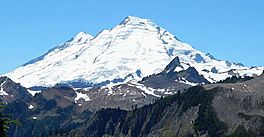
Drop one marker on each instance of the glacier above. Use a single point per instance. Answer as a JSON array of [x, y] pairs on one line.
[[133, 49]]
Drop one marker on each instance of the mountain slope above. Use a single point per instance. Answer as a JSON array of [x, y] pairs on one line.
[[214, 110], [10, 91], [62, 107], [134, 49]]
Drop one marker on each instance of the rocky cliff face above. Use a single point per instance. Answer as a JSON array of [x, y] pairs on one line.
[[11, 91]]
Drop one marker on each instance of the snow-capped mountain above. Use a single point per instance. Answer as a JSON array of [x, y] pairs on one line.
[[130, 51]]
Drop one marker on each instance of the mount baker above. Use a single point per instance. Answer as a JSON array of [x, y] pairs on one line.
[[130, 51]]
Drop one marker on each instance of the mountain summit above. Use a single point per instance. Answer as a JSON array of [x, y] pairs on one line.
[[134, 49], [131, 20]]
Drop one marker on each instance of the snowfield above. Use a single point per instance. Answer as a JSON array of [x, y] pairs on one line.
[[130, 51]]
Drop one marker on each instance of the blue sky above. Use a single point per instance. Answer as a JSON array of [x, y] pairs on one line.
[[228, 29]]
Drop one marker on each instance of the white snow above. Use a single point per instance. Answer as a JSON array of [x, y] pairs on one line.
[[124, 95], [31, 107], [147, 90], [81, 96], [33, 93], [187, 82], [161, 90], [2, 92], [135, 45], [168, 93]]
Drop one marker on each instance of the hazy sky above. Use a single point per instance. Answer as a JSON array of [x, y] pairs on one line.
[[228, 29]]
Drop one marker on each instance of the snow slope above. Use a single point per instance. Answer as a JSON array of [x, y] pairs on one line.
[[2, 92], [132, 50]]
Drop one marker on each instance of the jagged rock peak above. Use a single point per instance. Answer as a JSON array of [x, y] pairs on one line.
[[172, 65]]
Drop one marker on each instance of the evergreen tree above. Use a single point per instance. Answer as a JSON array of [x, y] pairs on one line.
[[5, 121]]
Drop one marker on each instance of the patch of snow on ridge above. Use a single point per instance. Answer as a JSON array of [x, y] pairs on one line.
[[2, 92], [183, 80], [32, 92], [31, 107], [81, 96], [147, 90]]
